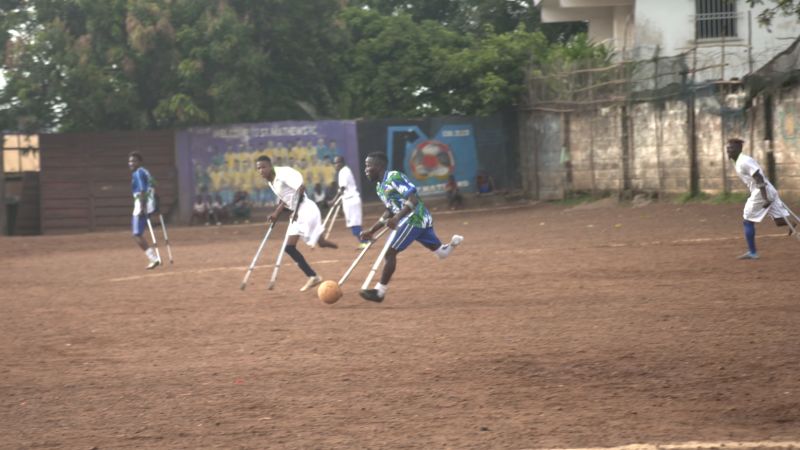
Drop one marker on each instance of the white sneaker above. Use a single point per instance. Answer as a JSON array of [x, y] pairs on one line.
[[312, 281], [445, 250]]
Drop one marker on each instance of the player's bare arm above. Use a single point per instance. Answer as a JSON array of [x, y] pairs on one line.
[[762, 186], [277, 213], [367, 234], [408, 206]]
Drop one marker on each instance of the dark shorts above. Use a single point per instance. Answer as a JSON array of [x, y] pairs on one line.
[[138, 224], [407, 233]]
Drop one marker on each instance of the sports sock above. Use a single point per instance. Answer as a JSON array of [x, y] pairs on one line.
[[444, 251], [381, 288], [151, 254], [750, 235], [292, 251], [356, 230]]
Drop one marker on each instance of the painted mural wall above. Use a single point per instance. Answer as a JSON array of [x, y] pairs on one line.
[[220, 161]]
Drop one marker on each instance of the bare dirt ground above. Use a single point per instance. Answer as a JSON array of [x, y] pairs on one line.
[[551, 327]]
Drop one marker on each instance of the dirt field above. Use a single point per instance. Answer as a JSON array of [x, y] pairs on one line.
[[551, 327]]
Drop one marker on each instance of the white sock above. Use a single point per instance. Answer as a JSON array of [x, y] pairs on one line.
[[444, 251], [381, 288], [151, 254]]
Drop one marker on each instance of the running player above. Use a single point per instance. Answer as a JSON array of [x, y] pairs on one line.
[[144, 204], [406, 214], [287, 184], [763, 200], [351, 199]]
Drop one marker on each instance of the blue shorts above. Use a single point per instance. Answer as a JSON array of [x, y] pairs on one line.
[[138, 224], [407, 233]]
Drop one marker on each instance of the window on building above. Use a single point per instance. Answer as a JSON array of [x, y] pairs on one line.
[[715, 19], [20, 153]]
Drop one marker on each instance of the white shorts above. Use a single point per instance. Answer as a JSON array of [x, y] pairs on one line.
[[308, 224], [352, 211], [754, 210]]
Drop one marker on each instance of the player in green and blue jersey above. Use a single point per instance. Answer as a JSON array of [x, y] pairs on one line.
[[406, 215]]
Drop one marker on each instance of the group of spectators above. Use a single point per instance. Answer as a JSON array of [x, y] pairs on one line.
[[484, 185], [210, 209]]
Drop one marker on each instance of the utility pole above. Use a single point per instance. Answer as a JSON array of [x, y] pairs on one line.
[[3, 224]]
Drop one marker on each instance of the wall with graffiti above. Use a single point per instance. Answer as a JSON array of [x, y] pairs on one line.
[[219, 162], [431, 151]]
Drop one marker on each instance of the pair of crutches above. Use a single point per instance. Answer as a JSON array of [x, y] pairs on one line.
[[332, 213], [795, 231], [274, 278], [377, 262], [166, 237]]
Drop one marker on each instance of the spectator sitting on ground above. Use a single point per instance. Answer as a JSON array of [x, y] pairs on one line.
[[241, 207], [219, 212], [484, 183], [454, 198], [330, 193], [200, 209], [318, 196]]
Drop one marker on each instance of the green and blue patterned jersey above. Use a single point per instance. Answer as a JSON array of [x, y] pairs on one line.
[[394, 190]]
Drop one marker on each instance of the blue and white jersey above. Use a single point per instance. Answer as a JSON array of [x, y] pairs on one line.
[[142, 184], [394, 190]]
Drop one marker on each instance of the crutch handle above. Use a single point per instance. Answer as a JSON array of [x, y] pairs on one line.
[[360, 256]]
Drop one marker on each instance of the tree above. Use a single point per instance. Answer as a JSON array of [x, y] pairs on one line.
[[133, 64], [783, 7]]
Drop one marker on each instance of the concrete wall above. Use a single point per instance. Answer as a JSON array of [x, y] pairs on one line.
[[669, 25], [659, 145]]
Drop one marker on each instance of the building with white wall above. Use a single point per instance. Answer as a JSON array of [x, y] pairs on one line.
[[729, 41]]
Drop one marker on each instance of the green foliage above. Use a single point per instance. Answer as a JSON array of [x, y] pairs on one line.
[[774, 8], [149, 64]]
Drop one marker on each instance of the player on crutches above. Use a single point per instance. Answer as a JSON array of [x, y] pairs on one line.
[[406, 215], [144, 204], [306, 221], [350, 199], [763, 201]]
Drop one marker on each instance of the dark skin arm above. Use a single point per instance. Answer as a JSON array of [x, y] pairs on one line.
[[277, 213], [762, 186], [390, 220]]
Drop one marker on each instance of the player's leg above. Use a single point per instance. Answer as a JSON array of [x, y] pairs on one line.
[[403, 237], [300, 260], [750, 237], [432, 243], [138, 224]]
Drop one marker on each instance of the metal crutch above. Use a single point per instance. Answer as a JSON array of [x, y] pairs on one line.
[[166, 237], [378, 261], [274, 277], [153, 236], [255, 258], [359, 257]]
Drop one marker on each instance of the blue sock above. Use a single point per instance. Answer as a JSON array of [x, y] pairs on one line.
[[356, 230], [750, 235]]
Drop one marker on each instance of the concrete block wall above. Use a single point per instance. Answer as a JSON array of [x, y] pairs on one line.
[[660, 155]]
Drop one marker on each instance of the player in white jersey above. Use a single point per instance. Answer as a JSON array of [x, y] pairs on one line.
[[351, 199], [144, 204], [288, 186], [763, 200]]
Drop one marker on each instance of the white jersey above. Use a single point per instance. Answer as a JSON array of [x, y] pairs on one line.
[[746, 167], [348, 182], [285, 185], [754, 211], [351, 201]]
